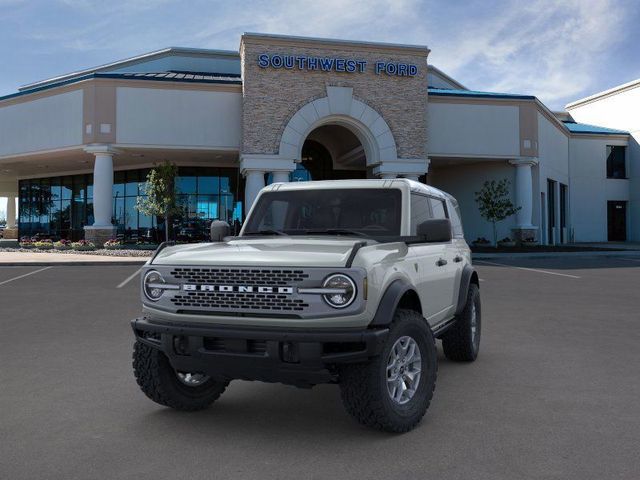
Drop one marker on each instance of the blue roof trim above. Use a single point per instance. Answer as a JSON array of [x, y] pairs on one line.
[[161, 77], [450, 92], [585, 128]]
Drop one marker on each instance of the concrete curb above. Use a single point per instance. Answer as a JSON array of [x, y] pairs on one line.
[[616, 253], [117, 263]]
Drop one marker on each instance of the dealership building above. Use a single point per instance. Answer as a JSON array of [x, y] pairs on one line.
[[75, 149]]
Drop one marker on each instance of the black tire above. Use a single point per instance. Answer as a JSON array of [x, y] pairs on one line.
[[159, 381], [459, 343], [364, 385]]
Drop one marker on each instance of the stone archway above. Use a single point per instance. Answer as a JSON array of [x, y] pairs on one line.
[[340, 108]]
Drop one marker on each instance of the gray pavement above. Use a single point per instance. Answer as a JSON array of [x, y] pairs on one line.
[[555, 392]]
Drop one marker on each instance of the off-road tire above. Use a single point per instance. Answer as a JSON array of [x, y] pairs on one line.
[[158, 380], [364, 385], [458, 343]]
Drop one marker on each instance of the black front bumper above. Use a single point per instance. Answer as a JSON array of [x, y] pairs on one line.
[[296, 357]]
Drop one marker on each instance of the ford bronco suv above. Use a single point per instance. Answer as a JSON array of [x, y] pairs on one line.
[[347, 282]]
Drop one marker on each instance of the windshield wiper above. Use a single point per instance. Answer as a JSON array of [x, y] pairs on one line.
[[266, 232], [337, 231]]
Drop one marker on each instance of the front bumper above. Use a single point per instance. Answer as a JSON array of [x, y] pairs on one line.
[[297, 357]]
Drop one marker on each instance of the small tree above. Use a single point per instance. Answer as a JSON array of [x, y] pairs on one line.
[[494, 203], [160, 194]]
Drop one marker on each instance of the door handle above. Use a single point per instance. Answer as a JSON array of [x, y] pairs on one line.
[[441, 262], [457, 259]]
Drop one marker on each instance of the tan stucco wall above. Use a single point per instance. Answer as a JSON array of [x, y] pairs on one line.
[[271, 96]]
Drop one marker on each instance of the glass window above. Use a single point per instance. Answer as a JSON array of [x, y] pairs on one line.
[[210, 185], [369, 212], [131, 214], [420, 211], [118, 184], [67, 188], [616, 161], [131, 185], [456, 218], [438, 208], [186, 184]]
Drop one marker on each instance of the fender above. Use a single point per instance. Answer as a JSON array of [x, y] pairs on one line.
[[468, 275], [389, 302]]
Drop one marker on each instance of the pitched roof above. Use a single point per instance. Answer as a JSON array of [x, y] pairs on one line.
[[449, 92], [585, 128], [224, 78]]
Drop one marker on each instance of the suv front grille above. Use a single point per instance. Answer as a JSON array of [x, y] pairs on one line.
[[239, 301], [239, 276]]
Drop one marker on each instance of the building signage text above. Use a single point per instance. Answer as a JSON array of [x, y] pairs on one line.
[[332, 64]]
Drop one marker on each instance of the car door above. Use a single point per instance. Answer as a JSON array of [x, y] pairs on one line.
[[449, 265], [431, 272]]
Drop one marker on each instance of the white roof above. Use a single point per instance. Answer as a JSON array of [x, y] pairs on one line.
[[351, 184]]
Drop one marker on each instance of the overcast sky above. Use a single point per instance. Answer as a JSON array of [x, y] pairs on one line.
[[557, 50]]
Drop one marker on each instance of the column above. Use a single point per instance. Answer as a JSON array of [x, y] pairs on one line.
[[102, 228], [280, 176], [11, 212], [524, 197], [386, 176], [412, 177], [254, 183]]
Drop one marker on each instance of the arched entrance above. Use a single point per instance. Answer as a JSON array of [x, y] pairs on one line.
[[331, 152]]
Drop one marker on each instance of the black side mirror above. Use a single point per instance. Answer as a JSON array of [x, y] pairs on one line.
[[219, 230], [435, 230]]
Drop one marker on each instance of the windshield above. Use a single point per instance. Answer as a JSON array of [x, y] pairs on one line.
[[370, 212]]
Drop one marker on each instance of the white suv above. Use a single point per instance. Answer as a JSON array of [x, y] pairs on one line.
[[347, 282]]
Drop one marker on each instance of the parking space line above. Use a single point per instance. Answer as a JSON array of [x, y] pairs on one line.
[[527, 269], [129, 278], [25, 275]]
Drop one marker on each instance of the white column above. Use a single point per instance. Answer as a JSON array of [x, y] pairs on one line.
[[524, 191], [280, 176], [412, 177], [254, 183], [103, 190], [387, 175], [11, 211]]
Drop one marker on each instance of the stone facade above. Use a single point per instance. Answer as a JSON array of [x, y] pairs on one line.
[[271, 96]]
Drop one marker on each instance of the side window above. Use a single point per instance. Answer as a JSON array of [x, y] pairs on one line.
[[420, 211], [438, 208], [456, 219]]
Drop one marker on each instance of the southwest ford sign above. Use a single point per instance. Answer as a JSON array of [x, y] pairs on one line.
[[332, 64]]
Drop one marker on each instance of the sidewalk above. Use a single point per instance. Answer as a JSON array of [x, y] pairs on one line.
[[36, 259]]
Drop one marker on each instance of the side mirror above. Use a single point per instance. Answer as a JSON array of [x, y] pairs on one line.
[[435, 230], [219, 230]]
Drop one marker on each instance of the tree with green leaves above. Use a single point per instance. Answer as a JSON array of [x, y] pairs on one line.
[[494, 203], [160, 195]]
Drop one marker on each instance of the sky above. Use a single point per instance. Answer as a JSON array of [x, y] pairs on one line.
[[557, 50]]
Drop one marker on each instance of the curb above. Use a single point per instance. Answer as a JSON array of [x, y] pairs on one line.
[[616, 253], [115, 263]]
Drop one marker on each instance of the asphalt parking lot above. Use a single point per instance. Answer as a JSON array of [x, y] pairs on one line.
[[555, 392]]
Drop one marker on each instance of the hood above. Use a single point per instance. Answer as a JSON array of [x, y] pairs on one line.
[[263, 251]]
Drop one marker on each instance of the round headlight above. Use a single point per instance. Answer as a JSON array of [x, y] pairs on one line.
[[343, 290], [150, 285]]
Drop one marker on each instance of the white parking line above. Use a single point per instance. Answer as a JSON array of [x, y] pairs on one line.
[[129, 278], [527, 269], [25, 275]]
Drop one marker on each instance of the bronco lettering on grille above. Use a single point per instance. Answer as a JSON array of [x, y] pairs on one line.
[[237, 289]]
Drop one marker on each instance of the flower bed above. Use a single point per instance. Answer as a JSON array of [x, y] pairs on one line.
[[83, 245], [113, 244], [61, 245]]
